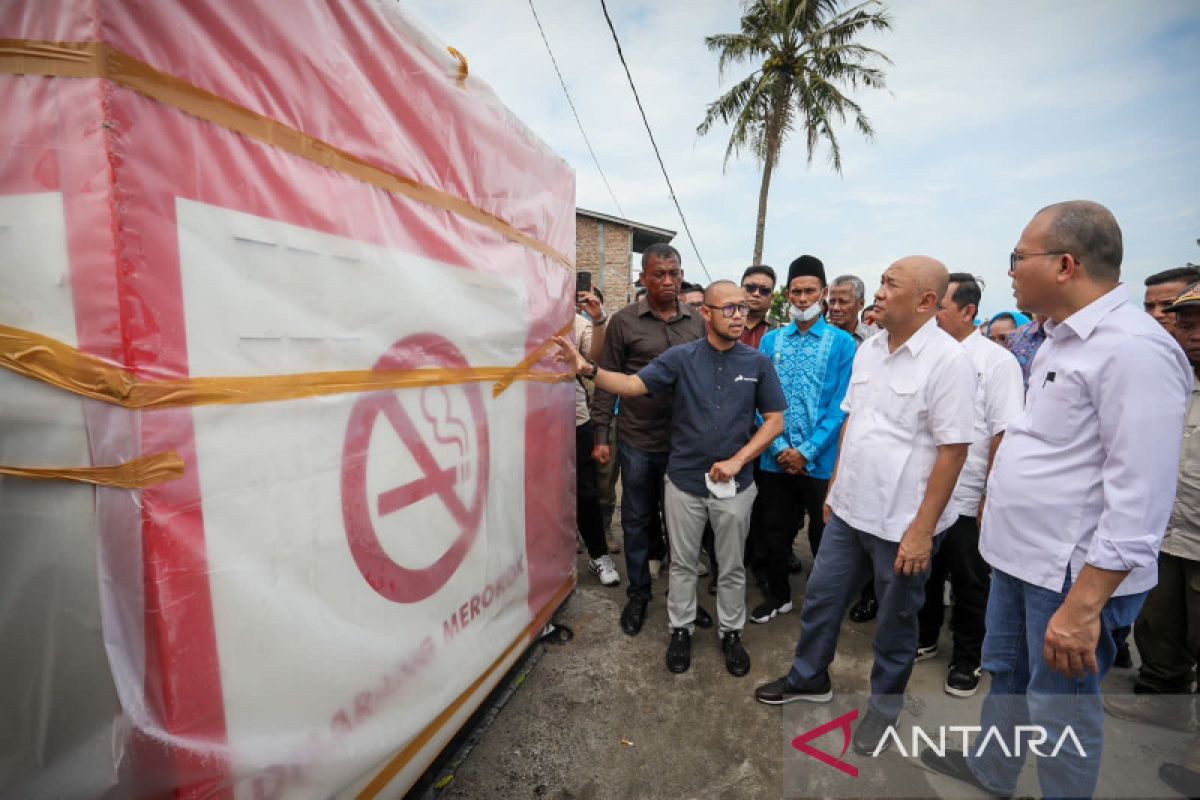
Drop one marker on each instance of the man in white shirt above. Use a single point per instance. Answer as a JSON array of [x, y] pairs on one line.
[[1078, 501], [999, 399], [911, 419]]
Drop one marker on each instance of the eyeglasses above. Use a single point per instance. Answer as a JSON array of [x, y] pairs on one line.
[[1015, 258], [754, 288], [729, 310]]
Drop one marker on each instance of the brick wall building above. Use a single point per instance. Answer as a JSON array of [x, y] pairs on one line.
[[605, 245]]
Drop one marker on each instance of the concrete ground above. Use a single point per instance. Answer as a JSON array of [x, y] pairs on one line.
[[601, 717]]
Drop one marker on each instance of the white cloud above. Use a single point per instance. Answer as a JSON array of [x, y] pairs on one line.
[[994, 110]]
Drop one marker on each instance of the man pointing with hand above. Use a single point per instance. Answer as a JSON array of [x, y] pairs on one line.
[[718, 384]]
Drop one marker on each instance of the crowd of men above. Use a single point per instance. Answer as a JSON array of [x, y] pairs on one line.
[[1031, 463]]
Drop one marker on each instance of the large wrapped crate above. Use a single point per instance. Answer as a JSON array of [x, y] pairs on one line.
[[286, 469]]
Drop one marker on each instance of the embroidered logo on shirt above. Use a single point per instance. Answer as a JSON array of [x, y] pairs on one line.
[[744, 378]]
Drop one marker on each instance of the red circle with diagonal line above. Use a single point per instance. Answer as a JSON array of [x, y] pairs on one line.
[[396, 582]]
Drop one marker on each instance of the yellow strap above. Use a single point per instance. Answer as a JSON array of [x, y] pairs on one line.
[[136, 474], [58, 364], [99, 60]]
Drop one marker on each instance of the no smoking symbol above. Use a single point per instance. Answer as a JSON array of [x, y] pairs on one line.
[[441, 424]]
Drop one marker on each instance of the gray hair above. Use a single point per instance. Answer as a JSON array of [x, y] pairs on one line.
[[860, 291]]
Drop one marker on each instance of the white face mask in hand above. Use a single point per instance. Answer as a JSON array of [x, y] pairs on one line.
[[722, 491], [805, 314]]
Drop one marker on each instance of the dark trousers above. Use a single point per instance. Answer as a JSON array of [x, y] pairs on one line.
[[970, 581], [588, 515], [847, 558], [642, 474], [1167, 631], [785, 500]]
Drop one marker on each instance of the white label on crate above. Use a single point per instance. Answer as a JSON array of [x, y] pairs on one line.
[[367, 552]]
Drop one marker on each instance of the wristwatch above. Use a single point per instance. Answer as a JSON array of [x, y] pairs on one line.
[[603, 318], [595, 370]]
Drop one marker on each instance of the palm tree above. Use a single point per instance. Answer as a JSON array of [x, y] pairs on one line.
[[806, 58]]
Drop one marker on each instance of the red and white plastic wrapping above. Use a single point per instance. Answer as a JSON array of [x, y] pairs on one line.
[[335, 583]]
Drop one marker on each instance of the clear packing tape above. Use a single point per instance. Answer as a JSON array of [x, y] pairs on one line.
[[288, 468]]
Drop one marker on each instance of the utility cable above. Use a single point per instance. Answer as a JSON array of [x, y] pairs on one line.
[[654, 144], [578, 122]]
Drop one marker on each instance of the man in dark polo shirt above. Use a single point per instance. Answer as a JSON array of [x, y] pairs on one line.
[[637, 334], [718, 384]]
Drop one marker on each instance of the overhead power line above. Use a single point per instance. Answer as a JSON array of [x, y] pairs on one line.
[[653, 144], [578, 122]]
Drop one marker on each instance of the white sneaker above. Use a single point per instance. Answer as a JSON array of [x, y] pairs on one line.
[[655, 567], [604, 569]]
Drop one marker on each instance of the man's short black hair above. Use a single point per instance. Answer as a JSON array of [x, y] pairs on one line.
[[660, 250], [599, 293], [1188, 275], [760, 269], [969, 290], [686, 287]]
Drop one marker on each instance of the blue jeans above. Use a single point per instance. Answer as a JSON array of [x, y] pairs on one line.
[[642, 474], [847, 558], [1017, 616]]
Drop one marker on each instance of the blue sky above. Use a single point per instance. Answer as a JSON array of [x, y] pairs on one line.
[[992, 111]]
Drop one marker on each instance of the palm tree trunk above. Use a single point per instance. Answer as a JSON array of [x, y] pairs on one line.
[[772, 154], [761, 223]]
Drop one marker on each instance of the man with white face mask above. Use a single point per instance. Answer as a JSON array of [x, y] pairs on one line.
[[814, 360]]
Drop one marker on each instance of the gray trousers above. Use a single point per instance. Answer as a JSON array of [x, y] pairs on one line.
[[730, 518]]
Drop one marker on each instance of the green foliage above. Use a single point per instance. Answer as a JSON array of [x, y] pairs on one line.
[[778, 311]]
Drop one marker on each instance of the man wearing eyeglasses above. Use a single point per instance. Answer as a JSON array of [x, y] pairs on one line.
[[718, 385], [1078, 501], [758, 282], [636, 335]]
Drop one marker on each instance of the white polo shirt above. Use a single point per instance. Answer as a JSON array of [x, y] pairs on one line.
[[1087, 474], [902, 406], [999, 399]]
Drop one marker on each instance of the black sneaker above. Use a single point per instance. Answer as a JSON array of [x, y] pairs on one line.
[[953, 765], [962, 681], [679, 651], [737, 660], [925, 651], [778, 692], [1180, 778], [703, 620], [633, 616], [765, 611], [868, 734], [864, 610]]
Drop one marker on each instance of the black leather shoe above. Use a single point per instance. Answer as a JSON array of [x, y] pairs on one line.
[[633, 616], [679, 651], [868, 734], [737, 660], [703, 620], [953, 765], [864, 610]]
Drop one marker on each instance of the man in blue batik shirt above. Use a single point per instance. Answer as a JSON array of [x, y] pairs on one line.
[[813, 360]]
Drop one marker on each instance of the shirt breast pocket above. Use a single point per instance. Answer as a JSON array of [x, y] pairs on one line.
[[1055, 413], [900, 402]]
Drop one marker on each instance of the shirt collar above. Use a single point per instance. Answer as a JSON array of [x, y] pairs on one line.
[[1086, 319], [818, 329], [643, 308], [916, 343]]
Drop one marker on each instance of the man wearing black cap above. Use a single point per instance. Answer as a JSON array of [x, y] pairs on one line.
[[813, 360]]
